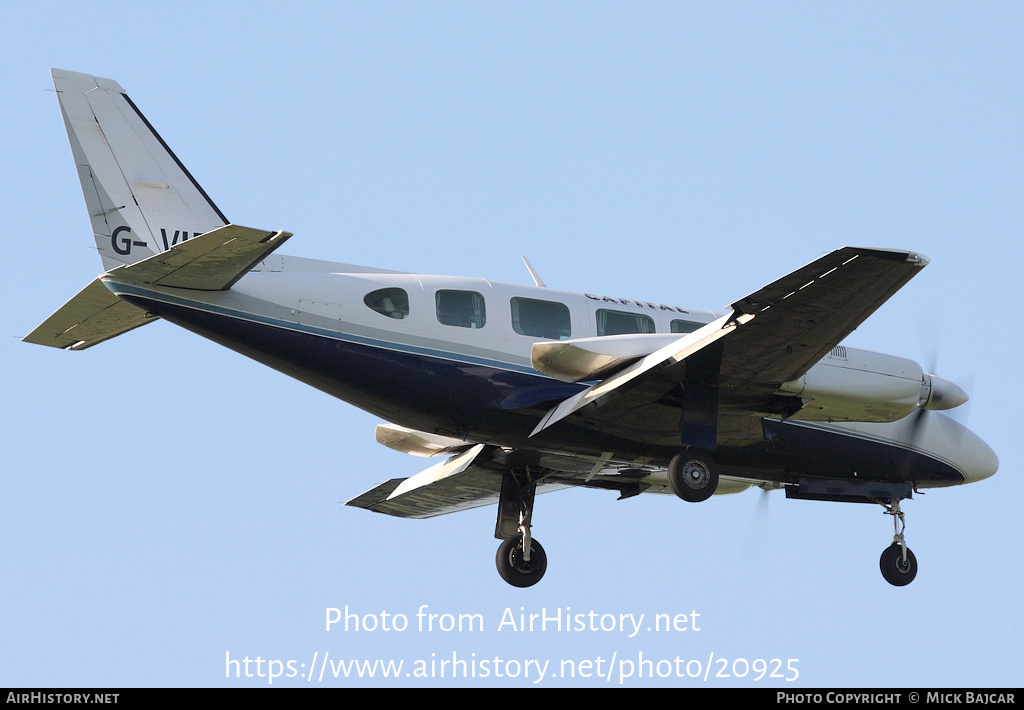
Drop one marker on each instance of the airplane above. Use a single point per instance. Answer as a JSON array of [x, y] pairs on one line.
[[522, 389]]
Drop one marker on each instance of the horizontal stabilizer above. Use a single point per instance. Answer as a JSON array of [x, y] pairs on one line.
[[92, 316], [209, 262]]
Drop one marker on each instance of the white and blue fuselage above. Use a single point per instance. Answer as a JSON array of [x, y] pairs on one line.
[[473, 379]]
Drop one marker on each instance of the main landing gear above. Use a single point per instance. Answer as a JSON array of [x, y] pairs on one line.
[[898, 564], [693, 475], [516, 567], [521, 560]]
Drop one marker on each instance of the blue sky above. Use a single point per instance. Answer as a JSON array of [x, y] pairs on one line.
[[167, 504]]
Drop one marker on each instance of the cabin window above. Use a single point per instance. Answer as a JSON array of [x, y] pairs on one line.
[[390, 302], [685, 326], [541, 319], [620, 322], [464, 309]]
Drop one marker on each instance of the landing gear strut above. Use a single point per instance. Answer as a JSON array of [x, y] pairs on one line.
[[693, 475], [521, 560], [898, 564]]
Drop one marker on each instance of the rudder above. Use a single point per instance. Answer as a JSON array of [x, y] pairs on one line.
[[141, 199]]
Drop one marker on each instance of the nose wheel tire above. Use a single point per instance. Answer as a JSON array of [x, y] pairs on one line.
[[693, 476], [898, 571], [514, 569]]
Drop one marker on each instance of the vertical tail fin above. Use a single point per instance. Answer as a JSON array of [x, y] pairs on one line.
[[141, 199]]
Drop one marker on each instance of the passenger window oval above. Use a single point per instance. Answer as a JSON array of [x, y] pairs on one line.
[[390, 302]]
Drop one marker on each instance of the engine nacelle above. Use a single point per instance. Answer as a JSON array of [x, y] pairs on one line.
[[859, 385]]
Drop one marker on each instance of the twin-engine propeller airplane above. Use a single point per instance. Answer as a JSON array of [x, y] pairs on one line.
[[525, 389]]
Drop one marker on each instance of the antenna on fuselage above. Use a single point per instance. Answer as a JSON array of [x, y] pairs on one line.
[[536, 279]]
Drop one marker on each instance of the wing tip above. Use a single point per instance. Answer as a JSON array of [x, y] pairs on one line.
[[914, 258]]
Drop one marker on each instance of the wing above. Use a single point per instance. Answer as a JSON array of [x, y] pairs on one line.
[[733, 368]]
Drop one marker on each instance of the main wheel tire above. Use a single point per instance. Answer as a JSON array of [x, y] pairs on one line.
[[514, 569], [896, 571], [693, 476]]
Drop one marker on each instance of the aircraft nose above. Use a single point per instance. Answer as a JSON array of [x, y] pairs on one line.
[[979, 460]]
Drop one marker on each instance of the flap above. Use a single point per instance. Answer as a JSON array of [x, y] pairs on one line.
[[632, 402], [467, 480], [450, 486], [591, 358]]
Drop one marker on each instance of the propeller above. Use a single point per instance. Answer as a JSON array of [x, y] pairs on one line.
[[758, 522], [937, 393], [761, 512]]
